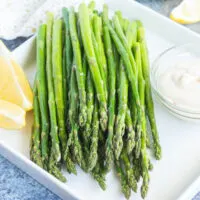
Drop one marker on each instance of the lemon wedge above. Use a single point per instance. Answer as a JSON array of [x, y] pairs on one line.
[[14, 87], [188, 12], [11, 116]]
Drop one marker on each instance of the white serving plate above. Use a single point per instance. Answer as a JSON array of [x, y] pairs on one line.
[[180, 164]]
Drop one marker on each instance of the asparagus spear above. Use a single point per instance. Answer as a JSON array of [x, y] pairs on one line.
[[111, 96], [99, 170], [93, 156], [90, 107], [95, 19], [141, 88], [132, 105], [35, 152], [79, 67], [68, 52], [68, 45], [65, 84], [42, 94], [55, 154], [84, 61], [126, 190], [130, 132], [122, 107], [129, 171], [58, 81], [51, 97], [96, 29], [89, 50], [128, 41], [148, 95], [98, 176], [70, 165], [141, 85], [98, 32], [90, 102], [136, 168], [73, 115], [123, 99], [98, 58]]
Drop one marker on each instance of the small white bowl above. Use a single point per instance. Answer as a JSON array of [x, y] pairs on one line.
[[168, 59]]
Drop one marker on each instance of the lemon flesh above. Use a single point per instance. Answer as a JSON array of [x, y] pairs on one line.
[[188, 12], [14, 87], [11, 116]]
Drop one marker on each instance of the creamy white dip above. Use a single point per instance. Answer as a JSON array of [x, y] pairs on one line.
[[181, 84]]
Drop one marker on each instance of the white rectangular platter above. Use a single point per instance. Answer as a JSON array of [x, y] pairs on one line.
[[180, 140]]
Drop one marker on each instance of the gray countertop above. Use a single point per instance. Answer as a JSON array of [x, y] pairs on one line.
[[17, 185]]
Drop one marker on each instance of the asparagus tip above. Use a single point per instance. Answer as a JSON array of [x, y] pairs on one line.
[[158, 151], [103, 120], [144, 190], [83, 116]]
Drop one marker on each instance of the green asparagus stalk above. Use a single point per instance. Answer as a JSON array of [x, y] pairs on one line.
[[90, 107], [141, 88], [35, 152], [90, 100], [84, 61], [132, 105], [130, 132], [98, 176], [111, 96], [98, 58], [122, 107], [70, 165], [98, 32], [58, 81], [42, 94], [136, 167], [123, 99], [55, 171], [68, 45], [148, 95], [77, 149], [65, 93], [131, 37], [55, 154], [129, 171], [89, 50], [99, 170], [73, 115], [96, 29], [126, 190], [79, 67], [93, 156]]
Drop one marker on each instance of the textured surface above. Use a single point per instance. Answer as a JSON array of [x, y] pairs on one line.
[[15, 184]]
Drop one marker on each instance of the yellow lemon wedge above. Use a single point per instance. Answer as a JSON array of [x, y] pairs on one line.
[[14, 87], [187, 12], [11, 116]]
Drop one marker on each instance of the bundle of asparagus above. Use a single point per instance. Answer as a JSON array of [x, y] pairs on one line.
[[92, 98]]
